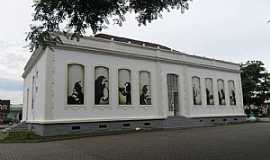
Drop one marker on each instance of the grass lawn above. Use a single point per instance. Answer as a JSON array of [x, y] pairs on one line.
[[19, 137]]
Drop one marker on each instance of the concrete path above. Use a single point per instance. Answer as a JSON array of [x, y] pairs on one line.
[[235, 142]]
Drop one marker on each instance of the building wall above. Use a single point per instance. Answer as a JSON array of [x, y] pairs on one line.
[[187, 108], [205, 110], [178, 70], [63, 112], [35, 111], [52, 107], [113, 111]]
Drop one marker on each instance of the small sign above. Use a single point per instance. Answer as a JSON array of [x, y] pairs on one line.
[[4, 106]]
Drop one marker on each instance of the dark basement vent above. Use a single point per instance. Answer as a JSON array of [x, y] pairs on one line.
[[103, 126], [147, 124], [126, 125], [76, 128]]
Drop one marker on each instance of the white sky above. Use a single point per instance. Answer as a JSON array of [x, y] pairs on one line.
[[231, 30]]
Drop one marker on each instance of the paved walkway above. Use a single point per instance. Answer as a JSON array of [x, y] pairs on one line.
[[236, 142]]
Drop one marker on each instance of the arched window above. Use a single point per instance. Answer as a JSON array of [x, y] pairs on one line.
[[102, 85], [124, 86], [209, 91], [145, 88], [232, 92], [75, 84], [196, 88], [221, 92]]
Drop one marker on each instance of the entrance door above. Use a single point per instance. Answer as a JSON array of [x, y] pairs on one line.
[[173, 103]]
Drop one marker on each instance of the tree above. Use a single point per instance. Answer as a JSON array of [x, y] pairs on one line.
[[79, 15], [255, 83]]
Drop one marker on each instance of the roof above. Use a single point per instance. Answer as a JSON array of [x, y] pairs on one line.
[[132, 41], [111, 38], [153, 45]]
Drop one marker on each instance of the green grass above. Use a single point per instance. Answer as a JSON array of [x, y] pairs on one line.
[[19, 137], [2, 136]]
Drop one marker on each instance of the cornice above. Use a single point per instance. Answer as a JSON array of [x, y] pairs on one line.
[[33, 60], [93, 50], [70, 45], [172, 51]]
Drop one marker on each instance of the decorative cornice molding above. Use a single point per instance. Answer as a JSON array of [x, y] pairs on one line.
[[142, 57], [70, 45], [33, 60]]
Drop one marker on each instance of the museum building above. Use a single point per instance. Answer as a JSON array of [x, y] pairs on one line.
[[105, 83]]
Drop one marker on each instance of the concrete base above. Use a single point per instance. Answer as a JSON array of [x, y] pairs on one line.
[[182, 122], [93, 127], [99, 127]]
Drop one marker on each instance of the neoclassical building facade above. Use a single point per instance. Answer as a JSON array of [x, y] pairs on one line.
[[112, 83]]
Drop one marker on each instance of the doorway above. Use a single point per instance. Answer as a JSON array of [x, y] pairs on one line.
[[173, 96]]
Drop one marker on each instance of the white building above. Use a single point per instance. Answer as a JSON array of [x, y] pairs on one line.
[[110, 83]]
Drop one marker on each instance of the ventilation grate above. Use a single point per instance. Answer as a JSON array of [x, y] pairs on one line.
[[147, 124], [126, 125], [74, 128], [103, 126]]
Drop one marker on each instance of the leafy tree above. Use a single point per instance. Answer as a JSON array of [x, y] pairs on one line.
[[255, 83], [79, 15]]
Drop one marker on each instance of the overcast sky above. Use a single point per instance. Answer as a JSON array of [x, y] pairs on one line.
[[231, 30]]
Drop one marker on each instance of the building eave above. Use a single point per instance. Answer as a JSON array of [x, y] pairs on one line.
[[154, 57], [74, 45], [33, 60]]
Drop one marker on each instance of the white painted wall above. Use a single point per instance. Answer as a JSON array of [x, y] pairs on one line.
[[52, 95], [39, 72], [113, 111], [205, 110]]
